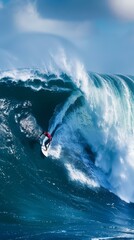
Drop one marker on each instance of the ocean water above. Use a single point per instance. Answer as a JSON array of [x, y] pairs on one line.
[[84, 189]]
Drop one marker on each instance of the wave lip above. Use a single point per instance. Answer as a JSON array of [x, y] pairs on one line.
[[37, 80]]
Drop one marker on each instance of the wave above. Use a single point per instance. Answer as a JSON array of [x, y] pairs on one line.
[[91, 118]]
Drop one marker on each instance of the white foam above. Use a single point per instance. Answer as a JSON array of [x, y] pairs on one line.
[[114, 135], [21, 74], [82, 178], [29, 126], [55, 152], [73, 68]]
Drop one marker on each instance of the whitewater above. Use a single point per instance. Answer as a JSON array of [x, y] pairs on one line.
[[84, 189]]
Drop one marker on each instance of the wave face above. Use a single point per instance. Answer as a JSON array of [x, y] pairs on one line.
[[84, 189]]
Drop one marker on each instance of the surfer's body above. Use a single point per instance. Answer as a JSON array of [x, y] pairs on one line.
[[49, 139]]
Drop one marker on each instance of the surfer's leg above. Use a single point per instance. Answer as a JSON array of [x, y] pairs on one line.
[[46, 143]]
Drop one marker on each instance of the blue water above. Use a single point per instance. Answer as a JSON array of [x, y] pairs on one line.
[[84, 189]]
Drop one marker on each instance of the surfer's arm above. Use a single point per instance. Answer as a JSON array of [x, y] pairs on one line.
[[40, 134]]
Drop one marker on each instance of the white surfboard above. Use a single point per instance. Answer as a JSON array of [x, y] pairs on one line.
[[43, 148]]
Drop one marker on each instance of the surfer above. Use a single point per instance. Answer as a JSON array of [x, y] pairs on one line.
[[49, 139]]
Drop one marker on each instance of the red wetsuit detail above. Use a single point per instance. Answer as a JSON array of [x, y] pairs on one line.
[[48, 135]]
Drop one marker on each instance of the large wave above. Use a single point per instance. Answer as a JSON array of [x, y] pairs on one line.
[[90, 115]]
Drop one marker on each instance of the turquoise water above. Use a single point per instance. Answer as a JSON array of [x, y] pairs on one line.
[[84, 189]]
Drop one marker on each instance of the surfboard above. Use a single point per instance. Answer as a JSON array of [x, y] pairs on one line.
[[43, 148]]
